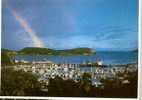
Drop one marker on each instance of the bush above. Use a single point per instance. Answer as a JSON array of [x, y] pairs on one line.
[[5, 59], [18, 83]]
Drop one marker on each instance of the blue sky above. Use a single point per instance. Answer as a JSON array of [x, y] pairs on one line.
[[64, 24]]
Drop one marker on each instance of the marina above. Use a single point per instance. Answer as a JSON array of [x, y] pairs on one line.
[[46, 70]]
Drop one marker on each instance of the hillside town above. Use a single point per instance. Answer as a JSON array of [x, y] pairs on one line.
[[46, 70]]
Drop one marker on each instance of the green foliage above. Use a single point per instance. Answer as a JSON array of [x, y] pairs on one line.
[[34, 50], [18, 83], [9, 52], [77, 51], [86, 78], [64, 88], [86, 83], [6, 55], [5, 59], [6, 50], [115, 89], [46, 51]]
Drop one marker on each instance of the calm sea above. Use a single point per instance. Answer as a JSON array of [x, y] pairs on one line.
[[106, 57]]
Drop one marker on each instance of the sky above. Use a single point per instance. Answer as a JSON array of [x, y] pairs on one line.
[[65, 24]]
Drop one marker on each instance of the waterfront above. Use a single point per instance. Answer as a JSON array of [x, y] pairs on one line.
[[84, 75], [102, 72], [49, 70], [73, 67]]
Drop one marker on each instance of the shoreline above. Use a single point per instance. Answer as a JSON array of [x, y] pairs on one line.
[[77, 64]]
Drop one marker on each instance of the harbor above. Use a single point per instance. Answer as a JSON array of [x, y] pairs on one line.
[[46, 70]]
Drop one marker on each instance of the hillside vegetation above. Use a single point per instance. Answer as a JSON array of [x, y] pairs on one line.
[[46, 51], [6, 55]]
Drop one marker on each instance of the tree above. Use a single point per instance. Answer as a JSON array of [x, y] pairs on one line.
[[5, 59], [64, 88], [18, 83]]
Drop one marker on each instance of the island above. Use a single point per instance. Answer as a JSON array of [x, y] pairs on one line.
[[48, 51]]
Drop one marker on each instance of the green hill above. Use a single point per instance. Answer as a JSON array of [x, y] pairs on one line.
[[5, 56], [46, 51], [77, 51], [5, 59], [8, 52], [37, 51]]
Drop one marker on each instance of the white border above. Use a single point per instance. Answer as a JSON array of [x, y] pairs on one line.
[[65, 98], [139, 94]]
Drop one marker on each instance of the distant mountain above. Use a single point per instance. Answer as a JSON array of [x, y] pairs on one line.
[[47, 51]]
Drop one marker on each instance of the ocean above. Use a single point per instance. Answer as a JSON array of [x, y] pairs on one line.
[[106, 57]]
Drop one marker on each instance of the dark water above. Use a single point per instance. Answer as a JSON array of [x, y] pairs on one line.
[[106, 57]]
